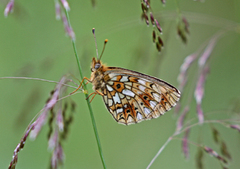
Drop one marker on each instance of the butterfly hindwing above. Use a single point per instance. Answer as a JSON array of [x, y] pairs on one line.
[[132, 97]]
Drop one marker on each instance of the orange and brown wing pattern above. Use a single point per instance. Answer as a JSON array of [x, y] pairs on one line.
[[132, 97]]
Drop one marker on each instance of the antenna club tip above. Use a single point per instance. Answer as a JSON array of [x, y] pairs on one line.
[[93, 30], [106, 40]]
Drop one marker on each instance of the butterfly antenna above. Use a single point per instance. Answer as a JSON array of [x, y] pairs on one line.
[[105, 42], [93, 31]]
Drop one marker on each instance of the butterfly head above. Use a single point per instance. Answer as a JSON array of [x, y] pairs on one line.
[[96, 65]]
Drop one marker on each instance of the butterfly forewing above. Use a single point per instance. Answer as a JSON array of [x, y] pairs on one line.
[[132, 97]]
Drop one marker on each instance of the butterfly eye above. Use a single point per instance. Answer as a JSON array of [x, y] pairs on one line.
[[97, 65]]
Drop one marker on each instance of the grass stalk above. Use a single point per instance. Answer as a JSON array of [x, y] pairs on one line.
[[87, 100]]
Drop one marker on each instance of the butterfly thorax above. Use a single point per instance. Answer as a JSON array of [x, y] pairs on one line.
[[97, 80], [97, 75]]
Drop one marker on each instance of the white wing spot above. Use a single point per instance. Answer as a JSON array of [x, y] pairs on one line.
[[141, 82], [147, 110], [153, 104], [128, 83], [110, 102], [110, 82], [105, 98], [128, 87], [121, 95], [109, 88], [130, 119], [139, 92], [119, 110], [114, 78], [128, 92], [116, 98], [142, 88], [124, 79], [155, 88], [139, 116], [156, 97]]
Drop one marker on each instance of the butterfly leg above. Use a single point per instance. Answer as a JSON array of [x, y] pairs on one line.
[[88, 80], [95, 93]]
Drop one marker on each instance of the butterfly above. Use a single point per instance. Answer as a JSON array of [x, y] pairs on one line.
[[130, 96]]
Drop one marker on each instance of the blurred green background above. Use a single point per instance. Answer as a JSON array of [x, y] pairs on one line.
[[33, 44]]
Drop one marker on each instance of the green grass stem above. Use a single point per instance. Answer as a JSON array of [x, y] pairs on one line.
[[87, 100]]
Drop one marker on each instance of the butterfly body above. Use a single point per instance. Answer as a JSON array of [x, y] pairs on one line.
[[130, 96]]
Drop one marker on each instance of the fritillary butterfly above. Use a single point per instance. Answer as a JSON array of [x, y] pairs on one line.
[[130, 96]]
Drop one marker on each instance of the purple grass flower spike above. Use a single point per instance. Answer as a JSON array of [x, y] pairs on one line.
[[60, 120], [9, 8], [147, 3], [67, 27], [53, 141], [152, 19], [200, 113], [185, 66], [33, 130], [38, 124], [199, 92], [144, 8], [186, 24], [65, 5], [154, 36], [158, 26], [57, 10], [214, 154], [146, 18], [235, 126], [49, 105], [182, 77], [207, 52], [19, 147], [185, 146], [182, 118], [64, 19], [58, 156], [70, 32], [160, 41]]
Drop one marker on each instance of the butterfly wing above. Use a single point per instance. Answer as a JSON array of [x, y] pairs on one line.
[[132, 97]]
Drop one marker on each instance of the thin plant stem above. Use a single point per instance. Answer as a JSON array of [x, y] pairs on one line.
[[209, 121], [183, 130], [86, 95], [37, 79], [159, 152]]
